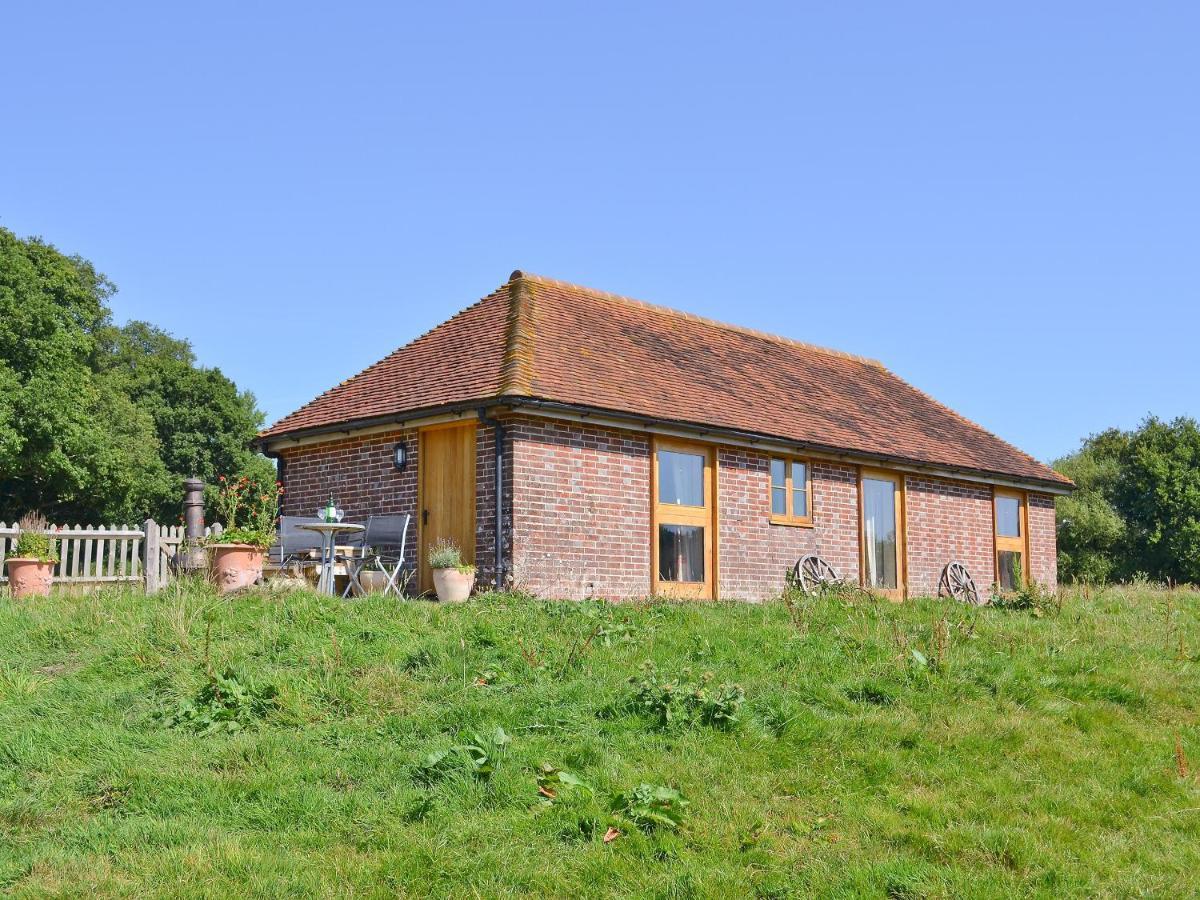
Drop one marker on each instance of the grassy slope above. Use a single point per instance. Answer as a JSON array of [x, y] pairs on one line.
[[1039, 759]]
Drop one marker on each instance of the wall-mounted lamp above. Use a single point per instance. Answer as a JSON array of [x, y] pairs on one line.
[[400, 456]]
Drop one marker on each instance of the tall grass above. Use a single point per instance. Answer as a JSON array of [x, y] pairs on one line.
[[285, 744]]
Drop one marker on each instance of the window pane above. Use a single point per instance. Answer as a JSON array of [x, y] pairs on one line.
[[680, 553], [1008, 517], [680, 478], [778, 473], [800, 490], [778, 501], [1010, 571], [879, 532], [778, 487]]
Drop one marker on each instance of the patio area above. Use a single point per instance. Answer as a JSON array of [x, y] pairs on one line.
[[343, 558]]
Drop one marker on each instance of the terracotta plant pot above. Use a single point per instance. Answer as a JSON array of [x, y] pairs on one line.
[[373, 582], [452, 585], [29, 577], [235, 566]]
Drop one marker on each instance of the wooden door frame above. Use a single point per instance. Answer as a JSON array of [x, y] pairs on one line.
[[424, 575], [686, 590], [900, 592], [1019, 544]]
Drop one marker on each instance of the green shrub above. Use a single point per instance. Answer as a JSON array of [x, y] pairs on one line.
[[224, 703], [1027, 596], [719, 707], [480, 754], [682, 699], [551, 781], [652, 806]]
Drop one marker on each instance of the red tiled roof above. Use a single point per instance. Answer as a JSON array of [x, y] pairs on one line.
[[552, 341], [459, 361]]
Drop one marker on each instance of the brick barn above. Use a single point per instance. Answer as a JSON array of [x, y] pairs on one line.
[[642, 450]]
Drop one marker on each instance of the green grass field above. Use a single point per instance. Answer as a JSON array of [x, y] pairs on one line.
[[922, 750]]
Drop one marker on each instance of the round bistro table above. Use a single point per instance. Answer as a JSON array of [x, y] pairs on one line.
[[329, 532]]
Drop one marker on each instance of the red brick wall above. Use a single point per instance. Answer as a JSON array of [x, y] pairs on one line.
[[359, 472], [485, 505], [754, 555], [581, 510], [1043, 541], [364, 481], [947, 520], [578, 523]]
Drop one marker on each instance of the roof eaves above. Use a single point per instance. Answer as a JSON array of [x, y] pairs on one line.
[[398, 419], [1056, 484]]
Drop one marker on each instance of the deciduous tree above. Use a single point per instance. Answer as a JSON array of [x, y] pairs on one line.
[[100, 423]]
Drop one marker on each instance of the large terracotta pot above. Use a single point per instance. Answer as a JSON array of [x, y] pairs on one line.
[[453, 586], [235, 566], [29, 577]]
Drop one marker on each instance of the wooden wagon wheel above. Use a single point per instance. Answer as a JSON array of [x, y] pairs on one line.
[[812, 572], [957, 582]]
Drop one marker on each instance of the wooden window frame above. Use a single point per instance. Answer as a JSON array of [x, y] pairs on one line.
[[900, 592], [789, 518], [1002, 543]]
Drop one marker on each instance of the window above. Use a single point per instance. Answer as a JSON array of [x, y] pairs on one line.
[[1008, 516], [681, 478], [683, 538], [681, 553], [791, 491], [1012, 560], [880, 532]]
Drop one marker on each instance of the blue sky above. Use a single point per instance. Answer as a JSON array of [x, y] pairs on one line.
[[1001, 201]]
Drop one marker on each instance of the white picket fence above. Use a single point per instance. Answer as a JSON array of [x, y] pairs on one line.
[[102, 554]]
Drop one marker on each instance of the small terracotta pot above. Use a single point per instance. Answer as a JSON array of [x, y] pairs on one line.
[[452, 585], [235, 566], [29, 577]]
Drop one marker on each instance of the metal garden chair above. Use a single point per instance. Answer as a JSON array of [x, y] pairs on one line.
[[383, 546], [295, 544]]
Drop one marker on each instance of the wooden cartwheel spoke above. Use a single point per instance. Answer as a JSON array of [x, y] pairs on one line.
[[957, 582], [811, 572]]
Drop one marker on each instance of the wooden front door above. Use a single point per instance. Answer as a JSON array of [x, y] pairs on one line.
[[446, 492], [682, 541]]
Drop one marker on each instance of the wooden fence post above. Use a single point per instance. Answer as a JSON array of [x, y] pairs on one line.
[[151, 544]]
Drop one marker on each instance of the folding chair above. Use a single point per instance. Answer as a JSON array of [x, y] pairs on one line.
[[295, 544], [383, 545]]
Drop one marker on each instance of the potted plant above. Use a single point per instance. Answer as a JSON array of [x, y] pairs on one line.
[[452, 579], [31, 567], [248, 512], [372, 578]]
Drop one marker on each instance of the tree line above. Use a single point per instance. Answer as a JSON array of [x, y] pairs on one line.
[[100, 423], [1136, 512]]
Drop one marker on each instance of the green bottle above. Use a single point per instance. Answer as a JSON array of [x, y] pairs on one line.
[[331, 510]]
